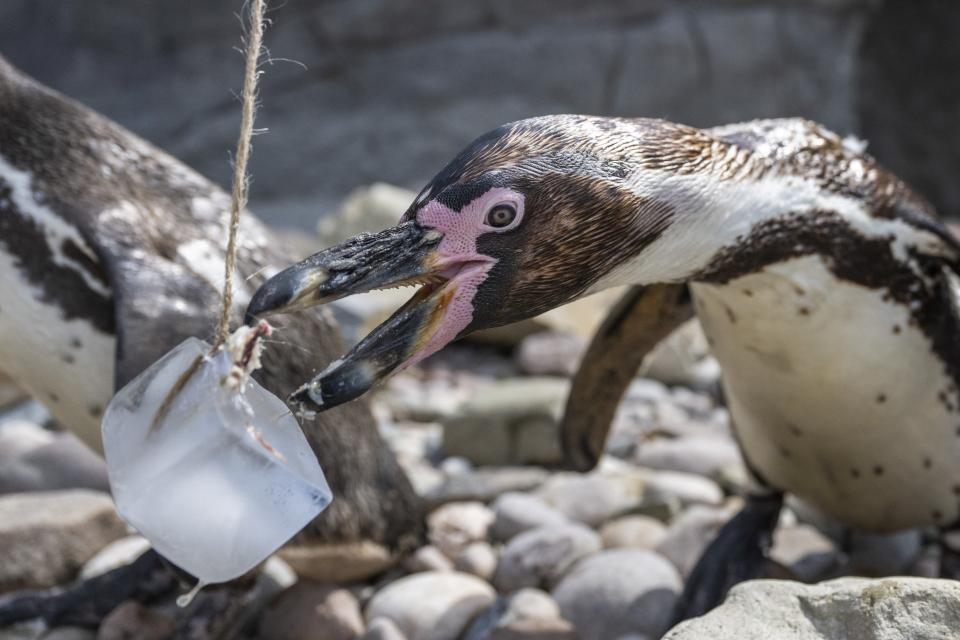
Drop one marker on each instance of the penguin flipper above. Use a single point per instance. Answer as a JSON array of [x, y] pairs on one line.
[[643, 317], [736, 554]]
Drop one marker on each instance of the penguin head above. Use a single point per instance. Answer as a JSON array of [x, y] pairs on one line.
[[528, 217]]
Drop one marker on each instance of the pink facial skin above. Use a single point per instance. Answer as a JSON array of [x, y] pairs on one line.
[[459, 260]]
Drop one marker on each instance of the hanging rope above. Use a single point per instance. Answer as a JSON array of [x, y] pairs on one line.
[[240, 179]]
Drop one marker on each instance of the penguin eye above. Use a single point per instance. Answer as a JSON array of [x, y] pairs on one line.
[[501, 215]]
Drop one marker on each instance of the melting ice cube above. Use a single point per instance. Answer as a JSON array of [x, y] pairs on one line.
[[218, 475]]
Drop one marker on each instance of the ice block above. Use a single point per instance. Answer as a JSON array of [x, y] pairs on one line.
[[217, 475]]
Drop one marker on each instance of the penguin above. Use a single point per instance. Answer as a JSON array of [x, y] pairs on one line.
[[111, 254], [827, 288]]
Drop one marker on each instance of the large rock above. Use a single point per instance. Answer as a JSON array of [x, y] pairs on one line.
[[45, 538], [512, 421], [540, 557], [848, 609], [619, 592], [432, 605]]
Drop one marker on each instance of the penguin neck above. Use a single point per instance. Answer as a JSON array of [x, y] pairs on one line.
[[743, 222]]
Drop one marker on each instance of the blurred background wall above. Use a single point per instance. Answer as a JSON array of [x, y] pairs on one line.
[[390, 90]]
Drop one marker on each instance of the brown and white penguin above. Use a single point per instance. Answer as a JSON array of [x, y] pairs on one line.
[[111, 253], [827, 288]]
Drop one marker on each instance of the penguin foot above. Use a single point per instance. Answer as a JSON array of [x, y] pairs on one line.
[[87, 602], [735, 555]]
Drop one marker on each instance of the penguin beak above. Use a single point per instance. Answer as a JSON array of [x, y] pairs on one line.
[[401, 256], [396, 257]]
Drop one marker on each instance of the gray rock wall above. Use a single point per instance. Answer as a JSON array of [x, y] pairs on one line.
[[391, 89]]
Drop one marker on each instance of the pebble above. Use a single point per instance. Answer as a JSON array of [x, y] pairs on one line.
[[133, 620], [68, 633], [541, 556], [683, 358], [427, 480], [516, 512], [338, 562], [35, 459], [428, 558], [550, 353], [511, 421], [809, 554], [646, 390], [312, 610], [591, 499], [455, 525], [487, 484], [635, 531], [421, 401], [477, 558], [555, 629], [456, 465], [45, 538], [688, 536], [694, 402], [867, 554], [679, 490], [700, 455], [410, 441], [532, 604], [521, 606], [382, 629], [617, 592], [876, 555], [432, 605], [118, 553], [278, 572]]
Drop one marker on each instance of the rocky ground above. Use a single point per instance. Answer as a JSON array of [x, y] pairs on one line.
[[515, 551]]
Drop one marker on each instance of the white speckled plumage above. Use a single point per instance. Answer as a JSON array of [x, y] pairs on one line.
[[835, 395]]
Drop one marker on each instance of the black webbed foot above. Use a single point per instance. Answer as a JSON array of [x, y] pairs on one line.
[[735, 555], [86, 603]]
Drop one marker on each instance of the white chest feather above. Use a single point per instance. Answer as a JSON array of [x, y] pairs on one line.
[[836, 396], [66, 364]]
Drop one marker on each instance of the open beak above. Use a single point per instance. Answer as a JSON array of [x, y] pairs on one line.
[[400, 256]]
